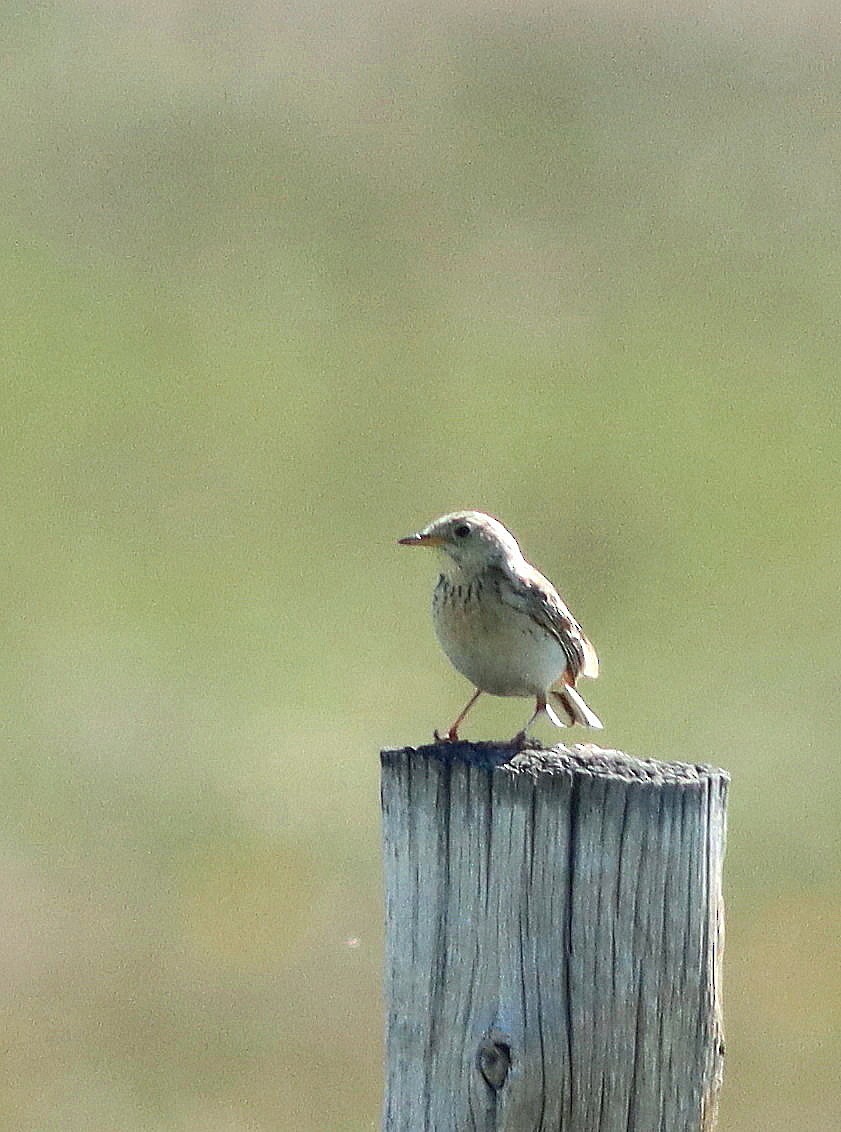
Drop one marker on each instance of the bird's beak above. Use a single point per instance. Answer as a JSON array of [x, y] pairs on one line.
[[421, 539]]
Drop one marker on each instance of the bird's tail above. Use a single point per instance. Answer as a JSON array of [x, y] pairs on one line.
[[573, 707]]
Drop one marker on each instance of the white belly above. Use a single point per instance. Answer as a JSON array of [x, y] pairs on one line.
[[498, 648]]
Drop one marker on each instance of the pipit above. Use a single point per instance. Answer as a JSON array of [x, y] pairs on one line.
[[502, 624]]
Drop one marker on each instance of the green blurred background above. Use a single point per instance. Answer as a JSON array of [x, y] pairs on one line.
[[283, 282]]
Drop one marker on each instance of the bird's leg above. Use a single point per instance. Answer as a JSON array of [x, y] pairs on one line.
[[540, 706], [452, 734]]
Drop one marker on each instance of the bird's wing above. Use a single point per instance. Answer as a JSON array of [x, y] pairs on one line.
[[529, 592]]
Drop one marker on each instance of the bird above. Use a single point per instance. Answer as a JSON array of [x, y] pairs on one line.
[[502, 624]]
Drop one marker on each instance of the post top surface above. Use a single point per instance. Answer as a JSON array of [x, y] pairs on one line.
[[578, 759]]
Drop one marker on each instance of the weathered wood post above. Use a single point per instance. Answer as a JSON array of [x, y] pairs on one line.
[[553, 940]]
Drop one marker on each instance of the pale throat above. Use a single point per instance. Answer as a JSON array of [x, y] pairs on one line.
[[457, 572], [473, 567]]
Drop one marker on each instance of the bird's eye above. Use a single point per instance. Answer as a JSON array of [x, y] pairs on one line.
[[462, 530]]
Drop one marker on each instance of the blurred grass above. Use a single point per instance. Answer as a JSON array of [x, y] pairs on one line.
[[280, 286]]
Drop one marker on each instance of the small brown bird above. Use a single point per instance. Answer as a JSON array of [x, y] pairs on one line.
[[502, 624]]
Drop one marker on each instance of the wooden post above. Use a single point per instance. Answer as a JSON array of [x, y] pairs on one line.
[[553, 940]]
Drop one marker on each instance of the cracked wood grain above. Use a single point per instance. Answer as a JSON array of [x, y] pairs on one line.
[[553, 940]]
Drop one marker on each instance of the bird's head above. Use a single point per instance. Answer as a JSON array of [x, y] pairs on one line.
[[472, 539]]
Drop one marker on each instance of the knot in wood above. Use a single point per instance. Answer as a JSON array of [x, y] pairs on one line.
[[494, 1059]]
